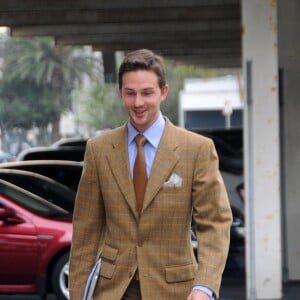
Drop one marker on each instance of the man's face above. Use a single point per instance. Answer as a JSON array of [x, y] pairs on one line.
[[142, 96]]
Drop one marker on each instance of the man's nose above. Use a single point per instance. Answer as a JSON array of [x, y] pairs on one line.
[[139, 100]]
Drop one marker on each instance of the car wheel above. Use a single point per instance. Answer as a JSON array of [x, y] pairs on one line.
[[60, 278]]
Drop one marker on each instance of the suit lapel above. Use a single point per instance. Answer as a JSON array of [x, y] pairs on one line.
[[118, 161], [165, 161]]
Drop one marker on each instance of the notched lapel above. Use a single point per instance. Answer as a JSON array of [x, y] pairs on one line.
[[118, 161]]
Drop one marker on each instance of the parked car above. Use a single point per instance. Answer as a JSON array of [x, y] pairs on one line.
[[73, 141], [74, 153], [43, 186], [229, 146], [65, 172], [35, 243]]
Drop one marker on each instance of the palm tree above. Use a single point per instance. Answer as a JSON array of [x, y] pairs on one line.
[[59, 69]]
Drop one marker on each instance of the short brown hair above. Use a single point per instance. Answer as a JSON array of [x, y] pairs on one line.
[[143, 59]]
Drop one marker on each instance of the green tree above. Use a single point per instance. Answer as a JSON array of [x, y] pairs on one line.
[[23, 104], [101, 107], [59, 70]]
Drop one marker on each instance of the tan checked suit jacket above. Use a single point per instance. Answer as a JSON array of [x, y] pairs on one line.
[[159, 243]]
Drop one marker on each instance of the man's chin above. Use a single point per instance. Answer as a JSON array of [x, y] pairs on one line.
[[139, 124], [139, 119]]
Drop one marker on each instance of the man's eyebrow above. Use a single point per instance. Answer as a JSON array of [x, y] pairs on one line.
[[149, 89], [144, 89]]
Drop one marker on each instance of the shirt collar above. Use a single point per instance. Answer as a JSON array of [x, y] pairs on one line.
[[153, 133]]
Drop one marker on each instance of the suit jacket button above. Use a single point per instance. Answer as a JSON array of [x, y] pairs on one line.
[[140, 243]]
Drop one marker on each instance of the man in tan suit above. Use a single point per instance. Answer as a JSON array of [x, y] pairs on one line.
[[148, 254]]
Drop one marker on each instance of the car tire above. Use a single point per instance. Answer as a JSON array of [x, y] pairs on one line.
[[60, 276]]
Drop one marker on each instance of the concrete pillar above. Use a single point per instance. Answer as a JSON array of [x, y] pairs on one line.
[[289, 64], [261, 148]]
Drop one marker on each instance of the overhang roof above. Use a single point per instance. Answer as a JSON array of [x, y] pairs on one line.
[[202, 32]]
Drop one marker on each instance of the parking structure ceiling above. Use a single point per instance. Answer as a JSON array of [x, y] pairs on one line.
[[206, 33]]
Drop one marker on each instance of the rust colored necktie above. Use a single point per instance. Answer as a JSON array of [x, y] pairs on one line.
[[139, 172]]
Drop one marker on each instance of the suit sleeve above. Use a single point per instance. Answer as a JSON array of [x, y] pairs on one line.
[[212, 216], [88, 226]]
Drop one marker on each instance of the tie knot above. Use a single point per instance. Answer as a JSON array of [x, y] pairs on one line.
[[140, 140]]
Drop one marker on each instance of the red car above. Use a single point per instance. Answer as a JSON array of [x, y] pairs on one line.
[[35, 239]]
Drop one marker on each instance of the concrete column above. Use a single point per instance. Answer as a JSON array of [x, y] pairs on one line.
[[289, 63], [261, 148]]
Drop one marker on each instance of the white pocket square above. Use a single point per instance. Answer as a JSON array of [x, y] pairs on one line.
[[174, 181]]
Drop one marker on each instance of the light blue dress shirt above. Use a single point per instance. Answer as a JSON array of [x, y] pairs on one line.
[[153, 135]]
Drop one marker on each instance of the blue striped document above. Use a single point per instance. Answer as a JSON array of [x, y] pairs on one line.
[[92, 281]]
